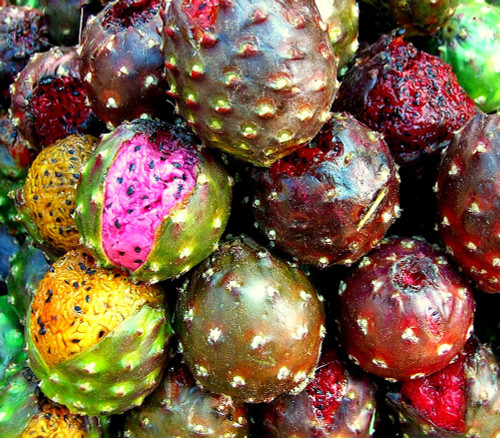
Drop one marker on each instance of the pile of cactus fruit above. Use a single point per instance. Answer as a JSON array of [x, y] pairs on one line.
[[249, 218]]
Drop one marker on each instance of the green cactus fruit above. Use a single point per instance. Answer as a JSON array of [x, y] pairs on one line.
[[342, 18], [27, 268], [11, 338], [96, 341], [250, 325], [253, 78], [179, 407], [46, 202], [152, 201], [470, 43]]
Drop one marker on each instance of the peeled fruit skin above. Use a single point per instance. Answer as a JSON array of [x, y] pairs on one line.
[[255, 79], [331, 201], [250, 325], [404, 310], [467, 200], [96, 340], [122, 62], [46, 202], [152, 184], [339, 402], [179, 407]]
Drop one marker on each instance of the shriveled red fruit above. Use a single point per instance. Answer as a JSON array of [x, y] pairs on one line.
[[250, 324], [404, 310], [23, 31], [49, 101], [331, 201], [468, 200], [459, 401], [340, 401], [122, 62], [412, 97]]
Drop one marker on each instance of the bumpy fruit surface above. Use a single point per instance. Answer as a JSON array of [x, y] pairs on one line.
[[339, 402], [404, 311], [412, 97], [467, 198], [255, 79], [122, 63], [46, 202], [331, 201], [250, 324], [96, 340], [49, 101], [23, 32], [179, 407], [470, 43], [460, 401], [152, 201]]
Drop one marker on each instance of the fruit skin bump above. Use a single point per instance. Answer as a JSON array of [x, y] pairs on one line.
[[339, 402], [152, 201], [97, 342], [413, 98], [250, 325], [405, 312], [467, 200], [255, 79], [460, 401], [46, 202], [331, 201], [179, 407], [470, 43]]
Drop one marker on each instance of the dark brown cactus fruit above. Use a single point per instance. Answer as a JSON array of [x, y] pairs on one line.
[[331, 201], [405, 312], [49, 101], [122, 62], [179, 407], [339, 402], [468, 200], [250, 325], [23, 31]]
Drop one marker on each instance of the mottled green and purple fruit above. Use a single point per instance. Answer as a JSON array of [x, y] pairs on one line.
[[253, 78], [152, 201], [250, 324]]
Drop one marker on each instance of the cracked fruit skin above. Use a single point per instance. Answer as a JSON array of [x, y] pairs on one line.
[[250, 324], [96, 341]]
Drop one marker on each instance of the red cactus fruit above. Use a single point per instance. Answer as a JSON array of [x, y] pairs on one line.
[[179, 407], [331, 201], [467, 200], [340, 401], [49, 101], [122, 62], [404, 311], [250, 325], [459, 401], [412, 97], [23, 31]]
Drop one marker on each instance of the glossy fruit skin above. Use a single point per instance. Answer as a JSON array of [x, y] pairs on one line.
[[352, 413], [256, 80], [23, 32], [115, 337], [333, 207], [191, 229], [11, 338], [481, 394], [467, 201], [179, 407], [469, 43], [250, 325], [122, 63], [413, 98], [405, 312]]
